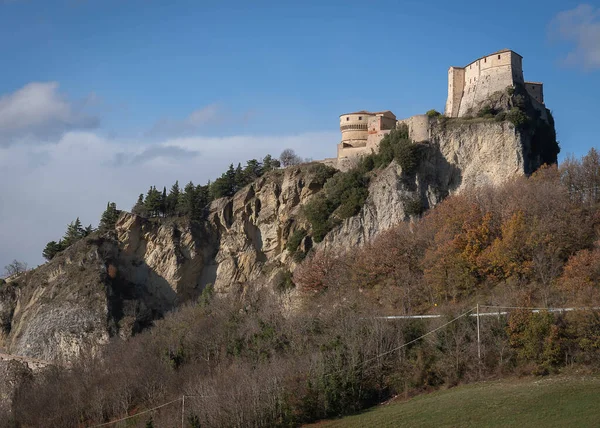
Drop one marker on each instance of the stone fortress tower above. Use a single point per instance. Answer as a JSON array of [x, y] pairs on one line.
[[471, 85], [468, 89], [363, 130]]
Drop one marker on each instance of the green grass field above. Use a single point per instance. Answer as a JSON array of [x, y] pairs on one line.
[[558, 401]]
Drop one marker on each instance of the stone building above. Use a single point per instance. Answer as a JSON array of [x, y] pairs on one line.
[[471, 85], [363, 130], [468, 88]]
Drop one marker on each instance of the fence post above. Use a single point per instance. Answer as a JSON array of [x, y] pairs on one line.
[[478, 337]]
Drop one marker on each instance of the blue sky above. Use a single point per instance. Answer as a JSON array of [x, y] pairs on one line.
[[102, 98]]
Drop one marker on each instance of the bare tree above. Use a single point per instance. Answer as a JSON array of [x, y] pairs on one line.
[[288, 158], [15, 267]]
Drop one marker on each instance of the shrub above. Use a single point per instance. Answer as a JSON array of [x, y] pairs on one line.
[[322, 172], [294, 241], [487, 112], [433, 113], [347, 192], [396, 146], [517, 117], [317, 212], [284, 281], [413, 206]]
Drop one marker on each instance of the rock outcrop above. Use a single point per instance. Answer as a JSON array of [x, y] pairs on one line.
[[116, 284]]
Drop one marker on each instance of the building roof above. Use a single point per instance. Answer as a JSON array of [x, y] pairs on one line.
[[370, 113], [493, 53]]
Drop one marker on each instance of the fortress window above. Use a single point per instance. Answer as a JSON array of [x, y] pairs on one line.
[[347, 118], [498, 56], [484, 59], [359, 117]]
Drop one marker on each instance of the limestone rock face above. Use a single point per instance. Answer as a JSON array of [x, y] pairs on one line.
[[254, 226], [116, 284], [62, 306]]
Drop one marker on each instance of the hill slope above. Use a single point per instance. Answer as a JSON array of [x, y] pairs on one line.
[[550, 402]]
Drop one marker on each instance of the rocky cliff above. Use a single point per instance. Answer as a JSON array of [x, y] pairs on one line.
[[116, 284]]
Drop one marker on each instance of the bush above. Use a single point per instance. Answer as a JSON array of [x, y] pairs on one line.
[[517, 117], [487, 112], [397, 146], [413, 206], [347, 192], [322, 172], [317, 212], [294, 241], [343, 196], [433, 113], [284, 281]]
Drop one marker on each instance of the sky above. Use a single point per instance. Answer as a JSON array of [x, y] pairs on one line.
[[100, 99]]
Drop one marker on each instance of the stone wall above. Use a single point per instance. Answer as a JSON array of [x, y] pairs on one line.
[[418, 127], [470, 86], [456, 84], [536, 91], [354, 129], [488, 75]]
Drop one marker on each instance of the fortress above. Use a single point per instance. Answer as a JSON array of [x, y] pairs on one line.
[[468, 88]]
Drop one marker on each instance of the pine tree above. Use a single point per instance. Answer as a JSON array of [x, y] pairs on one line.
[[239, 180], [253, 170], [269, 163], [152, 202], [188, 200], [109, 217], [52, 249], [173, 199], [162, 206], [74, 233], [88, 230], [140, 208]]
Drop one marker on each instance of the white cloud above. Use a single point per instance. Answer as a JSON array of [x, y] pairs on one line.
[[581, 28], [38, 112], [47, 185], [212, 114]]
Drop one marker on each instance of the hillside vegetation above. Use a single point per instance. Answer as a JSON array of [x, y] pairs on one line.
[[532, 242]]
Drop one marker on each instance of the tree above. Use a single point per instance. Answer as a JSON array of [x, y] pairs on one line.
[[15, 268], [74, 233], [187, 202], [162, 207], [239, 178], [140, 207], [253, 170], [173, 199], [152, 202], [288, 158], [109, 217], [52, 249], [269, 163]]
